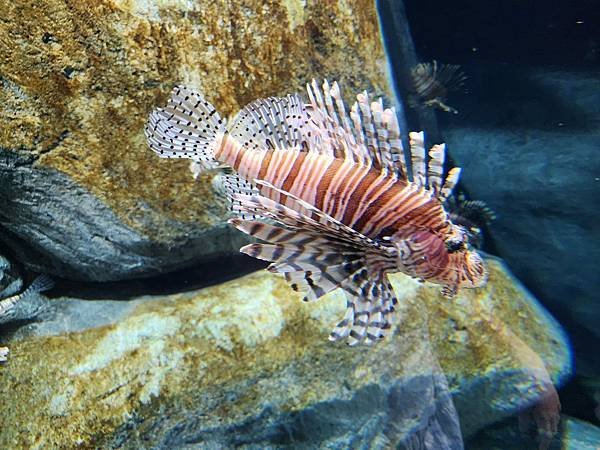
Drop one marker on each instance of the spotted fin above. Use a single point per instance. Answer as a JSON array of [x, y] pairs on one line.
[[229, 185], [188, 127], [318, 254], [271, 123]]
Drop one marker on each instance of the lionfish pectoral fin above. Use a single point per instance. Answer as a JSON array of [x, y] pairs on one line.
[[370, 302], [449, 291], [318, 254]]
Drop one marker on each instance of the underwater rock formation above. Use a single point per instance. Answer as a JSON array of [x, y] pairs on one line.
[[575, 435], [80, 194], [247, 363]]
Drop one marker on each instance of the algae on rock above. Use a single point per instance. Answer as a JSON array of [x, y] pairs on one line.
[[77, 81], [246, 363]]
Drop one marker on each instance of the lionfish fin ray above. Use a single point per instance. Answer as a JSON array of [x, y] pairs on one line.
[[333, 133], [370, 302], [450, 183], [188, 127], [368, 135], [435, 169], [319, 254], [231, 185], [428, 173], [418, 158], [276, 123]]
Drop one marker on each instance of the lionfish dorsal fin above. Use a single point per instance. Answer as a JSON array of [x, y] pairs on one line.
[[450, 183], [418, 157], [368, 135], [276, 123], [331, 133], [369, 129], [435, 169], [428, 173]]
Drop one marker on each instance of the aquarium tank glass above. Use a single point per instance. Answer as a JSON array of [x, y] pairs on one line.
[[248, 224]]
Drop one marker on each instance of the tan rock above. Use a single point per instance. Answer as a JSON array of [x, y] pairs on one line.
[[77, 81], [247, 363]]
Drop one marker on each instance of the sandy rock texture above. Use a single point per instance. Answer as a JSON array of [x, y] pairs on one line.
[[81, 196], [246, 363]]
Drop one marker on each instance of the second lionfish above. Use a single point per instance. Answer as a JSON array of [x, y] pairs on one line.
[[331, 195]]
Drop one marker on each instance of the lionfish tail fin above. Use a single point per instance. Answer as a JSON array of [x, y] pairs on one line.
[[317, 254], [188, 127], [40, 284]]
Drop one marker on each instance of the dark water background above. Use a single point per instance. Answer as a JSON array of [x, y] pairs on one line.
[[497, 42]]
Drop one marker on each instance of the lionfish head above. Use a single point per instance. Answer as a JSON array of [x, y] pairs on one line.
[[464, 258]]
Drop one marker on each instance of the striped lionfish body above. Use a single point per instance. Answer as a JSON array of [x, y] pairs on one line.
[[330, 194]]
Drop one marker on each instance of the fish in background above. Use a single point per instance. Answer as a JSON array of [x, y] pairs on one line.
[[431, 83], [472, 215], [7, 305], [331, 195]]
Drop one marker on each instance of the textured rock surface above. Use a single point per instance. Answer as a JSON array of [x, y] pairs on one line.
[[574, 434], [247, 363], [77, 81], [528, 141]]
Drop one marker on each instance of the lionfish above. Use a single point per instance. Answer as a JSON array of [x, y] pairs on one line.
[[331, 195], [40, 284], [431, 83]]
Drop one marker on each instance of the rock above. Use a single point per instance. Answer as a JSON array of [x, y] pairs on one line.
[[57, 226], [247, 364], [580, 435], [575, 434], [528, 142], [81, 196]]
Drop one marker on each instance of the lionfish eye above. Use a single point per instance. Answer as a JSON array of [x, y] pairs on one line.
[[454, 245]]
